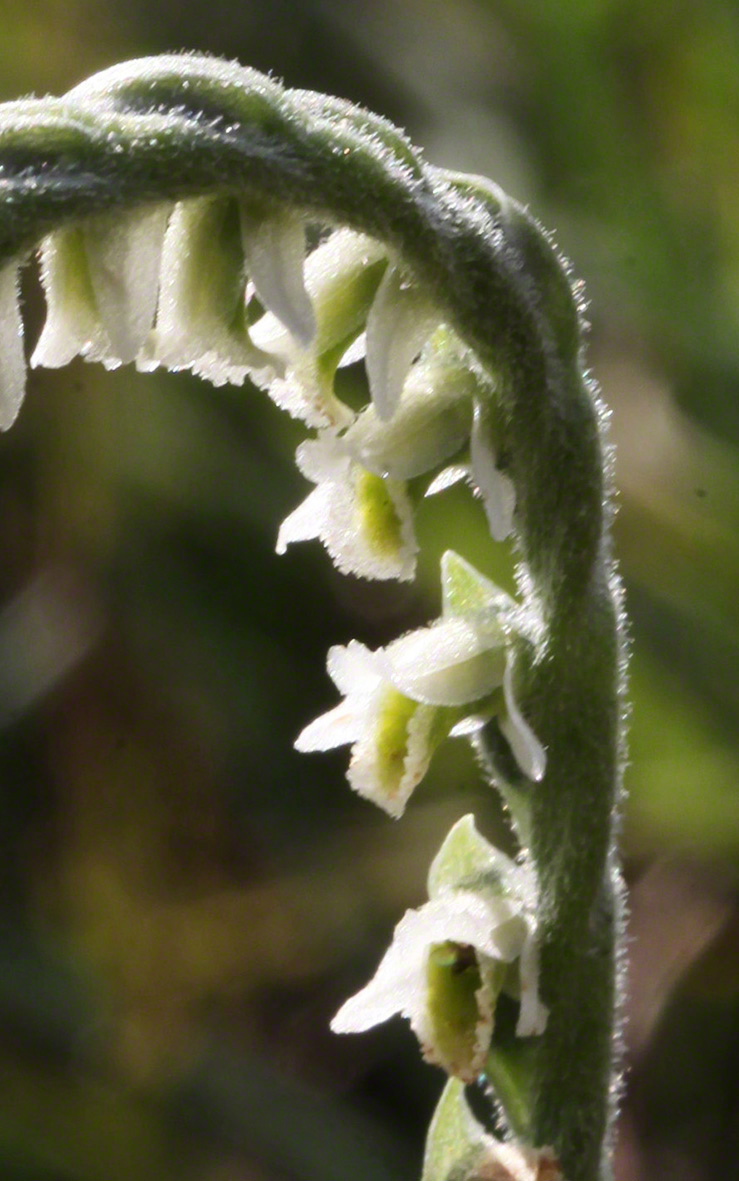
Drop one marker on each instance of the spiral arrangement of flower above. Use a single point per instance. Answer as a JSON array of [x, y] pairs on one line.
[[194, 215]]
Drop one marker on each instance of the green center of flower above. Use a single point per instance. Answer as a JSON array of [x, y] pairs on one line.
[[378, 519], [453, 980], [391, 741]]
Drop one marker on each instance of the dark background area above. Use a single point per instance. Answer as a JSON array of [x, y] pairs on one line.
[[184, 900]]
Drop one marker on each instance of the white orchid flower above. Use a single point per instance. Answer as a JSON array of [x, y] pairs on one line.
[[392, 737], [365, 521], [450, 959], [401, 701], [201, 320], [101, 278], [432, 420], [341, 278]]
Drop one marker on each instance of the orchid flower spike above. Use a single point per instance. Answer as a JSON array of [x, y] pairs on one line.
[[101, 278], [401, 701], [450, 959]]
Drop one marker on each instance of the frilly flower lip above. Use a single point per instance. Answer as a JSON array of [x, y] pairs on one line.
[[365, 521], [401, 701], [450, 959]]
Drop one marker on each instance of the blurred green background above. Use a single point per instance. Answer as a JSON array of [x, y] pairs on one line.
[[184, 900]]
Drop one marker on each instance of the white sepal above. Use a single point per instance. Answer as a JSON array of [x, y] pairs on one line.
[[528, 751], [12, 360], [452, 662], [357, 351], [484, 476], [447, 477], [400, 322], [532, 1013], [495, 487], [467, 858], [274, 246], [124, 252], [366, 523], [467, 592]]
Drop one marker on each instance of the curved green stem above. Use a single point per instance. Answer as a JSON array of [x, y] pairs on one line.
[[177, 126]]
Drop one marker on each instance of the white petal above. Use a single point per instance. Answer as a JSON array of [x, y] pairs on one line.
[[335, 728], [532, 1014], [306, 521], [446, 478], [353, 668], [12, 360], [399, 985], [275, 254], [468, 726], [451, 662], [528, 751], [124, 253], [304, 393], [497, 490], [399, 324], [323, 458]]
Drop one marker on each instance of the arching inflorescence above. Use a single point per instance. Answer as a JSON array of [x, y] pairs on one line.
[[191, 214]]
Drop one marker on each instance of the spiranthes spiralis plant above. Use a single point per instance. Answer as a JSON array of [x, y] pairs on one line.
[[170, 201]]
